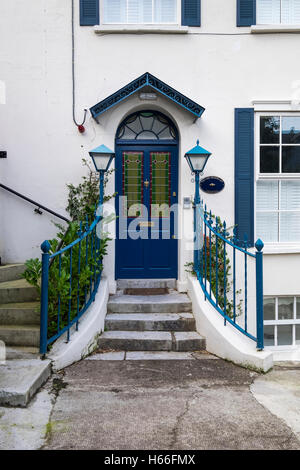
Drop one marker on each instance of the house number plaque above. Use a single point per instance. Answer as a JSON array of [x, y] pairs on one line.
[[212, 184]]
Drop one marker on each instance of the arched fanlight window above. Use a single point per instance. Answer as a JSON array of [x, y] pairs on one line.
[[147, 125]]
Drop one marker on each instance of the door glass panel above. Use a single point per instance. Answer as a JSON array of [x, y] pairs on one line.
[[132, 183], [160, 175]]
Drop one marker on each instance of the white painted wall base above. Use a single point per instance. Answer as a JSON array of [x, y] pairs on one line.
[[225, 342], [288, 355], [182, 286], [83, 341]]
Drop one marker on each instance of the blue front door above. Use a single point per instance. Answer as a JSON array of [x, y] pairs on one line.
[[146, 206]]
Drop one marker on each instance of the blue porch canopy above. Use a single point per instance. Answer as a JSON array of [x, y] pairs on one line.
[[150, 82]]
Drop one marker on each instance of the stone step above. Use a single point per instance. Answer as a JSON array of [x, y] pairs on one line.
[[151, 341], [22, 352], [146, 283], [20, 335], [11, 272], [21, 379], [22, 313], [168, 303], [150, 322], [149, 356], [17, 291]]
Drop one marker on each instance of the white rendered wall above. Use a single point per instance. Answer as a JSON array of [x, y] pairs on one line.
[[44, 148]]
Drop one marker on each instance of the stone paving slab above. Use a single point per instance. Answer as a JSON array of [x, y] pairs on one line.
[[25, 428], [186, 404], [279, 391], [20, 379]]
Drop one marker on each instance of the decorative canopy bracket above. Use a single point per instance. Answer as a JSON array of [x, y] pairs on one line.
[[147, 80]]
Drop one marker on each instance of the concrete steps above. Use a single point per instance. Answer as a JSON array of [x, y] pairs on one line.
[[146, 284], [151, 341], [11, 272], [167, 303], [21, 379], [20, 335], [22, 372], [19, 308], [17, 291], [160, 324], [150, 321], [22, 313]]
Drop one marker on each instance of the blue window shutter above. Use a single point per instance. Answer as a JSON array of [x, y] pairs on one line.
[[89, 12], [246, 12], [191, 12], [244, 173]]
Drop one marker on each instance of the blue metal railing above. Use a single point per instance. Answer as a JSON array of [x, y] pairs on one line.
[[218, 279], [70, 280]]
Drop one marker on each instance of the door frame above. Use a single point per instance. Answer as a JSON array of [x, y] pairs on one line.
[[120, 146]]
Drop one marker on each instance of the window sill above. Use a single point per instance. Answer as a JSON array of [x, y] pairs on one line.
[[275, 28], [140, 29], [277, 249]]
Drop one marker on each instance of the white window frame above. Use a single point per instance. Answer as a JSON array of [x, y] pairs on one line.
[[277, 323], [176, 23], [273, 246], [280, 22]]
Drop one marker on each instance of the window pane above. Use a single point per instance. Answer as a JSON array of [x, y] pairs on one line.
[[290, 159], [290, 226], [139, 11], [298, 335], [269, 159], [291, 129], [268, 11], [298, 308], [114, 11], [269, 335], [269, 130], [269, 309], [285, 308], [267, 195], [267, 226], [284, 335], [290, 195], [290, 13], [165, 11]]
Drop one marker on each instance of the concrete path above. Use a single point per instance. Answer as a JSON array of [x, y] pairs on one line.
[[177, 404]]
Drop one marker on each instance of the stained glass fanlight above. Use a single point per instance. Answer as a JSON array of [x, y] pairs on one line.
[[147, 125]]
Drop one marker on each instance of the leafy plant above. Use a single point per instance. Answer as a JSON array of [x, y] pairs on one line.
[[84, 198], [216, 269], [33, 273], [73, 274]]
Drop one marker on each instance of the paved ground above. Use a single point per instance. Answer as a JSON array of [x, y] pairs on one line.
[[200, 404], [205, 403]]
